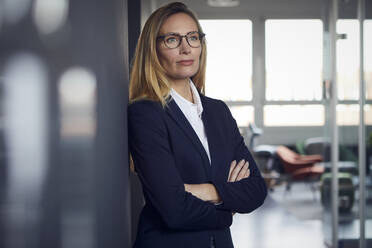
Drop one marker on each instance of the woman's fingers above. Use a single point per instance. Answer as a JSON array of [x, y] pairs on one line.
[[236, 170], [243, 172], [232, 166]]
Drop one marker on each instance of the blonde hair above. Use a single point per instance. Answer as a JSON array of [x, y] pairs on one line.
[[148, 79]]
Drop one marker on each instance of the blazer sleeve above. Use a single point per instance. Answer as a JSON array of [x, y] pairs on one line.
[[245, 195], [154, 162]]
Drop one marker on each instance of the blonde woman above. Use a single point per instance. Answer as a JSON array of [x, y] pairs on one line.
[[194, 167]]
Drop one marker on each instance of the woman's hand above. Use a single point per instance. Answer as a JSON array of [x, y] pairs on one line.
[[204, 191], [238, 171]]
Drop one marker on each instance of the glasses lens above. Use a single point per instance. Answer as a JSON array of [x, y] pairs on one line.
[[171, 40], [193, 39]]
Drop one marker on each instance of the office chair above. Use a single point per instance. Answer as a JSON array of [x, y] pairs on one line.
[[298, 167]]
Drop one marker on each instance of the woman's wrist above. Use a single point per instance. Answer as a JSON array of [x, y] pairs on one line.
[[212, 193], [205, 192]]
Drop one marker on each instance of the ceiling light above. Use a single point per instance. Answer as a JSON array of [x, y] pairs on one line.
[[223, 3]]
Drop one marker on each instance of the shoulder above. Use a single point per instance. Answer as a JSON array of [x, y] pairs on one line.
[[145, 118], [215, 104], [143, 106], [145, 113], [219, 110]]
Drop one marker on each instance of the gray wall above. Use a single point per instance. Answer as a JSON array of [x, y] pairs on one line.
[[63, 92]]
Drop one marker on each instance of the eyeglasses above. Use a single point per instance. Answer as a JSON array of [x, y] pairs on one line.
[[173, 40]]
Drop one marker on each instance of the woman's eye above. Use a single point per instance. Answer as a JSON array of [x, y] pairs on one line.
[[172, 39], [194, 37]]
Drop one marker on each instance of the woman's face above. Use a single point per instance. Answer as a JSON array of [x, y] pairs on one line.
[[182, 62]]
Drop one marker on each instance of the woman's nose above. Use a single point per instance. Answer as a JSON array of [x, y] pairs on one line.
[[185, 47]]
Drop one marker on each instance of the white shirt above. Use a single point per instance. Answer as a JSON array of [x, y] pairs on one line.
[[193, 112]]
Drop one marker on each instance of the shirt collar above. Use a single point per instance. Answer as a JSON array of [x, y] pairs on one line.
[[181, 100]]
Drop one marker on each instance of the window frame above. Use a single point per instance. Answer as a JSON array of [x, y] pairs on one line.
[[297, 10]]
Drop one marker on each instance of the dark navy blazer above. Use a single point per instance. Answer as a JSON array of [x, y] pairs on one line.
[[168, 153]]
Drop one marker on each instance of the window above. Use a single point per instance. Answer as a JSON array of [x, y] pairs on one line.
[[348, 66], [229, 65], [294, 64], [347, 55], [368, 57], [367, 114], [243, 115], [348, 114], [292, 95], [294, 115], [294, 50]]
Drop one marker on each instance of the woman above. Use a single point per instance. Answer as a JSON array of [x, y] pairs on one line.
[[185, 145]]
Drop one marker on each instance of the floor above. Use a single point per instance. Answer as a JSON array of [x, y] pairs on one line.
[[279, 224]]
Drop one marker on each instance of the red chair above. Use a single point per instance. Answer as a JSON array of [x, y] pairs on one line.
[[299, 167]]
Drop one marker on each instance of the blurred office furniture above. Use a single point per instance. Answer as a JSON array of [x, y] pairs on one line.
[[318, 145], [298, 167], [346, 191], [322, 146], [264, 156], [255, 132]]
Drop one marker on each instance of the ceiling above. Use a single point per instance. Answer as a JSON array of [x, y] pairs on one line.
[[268, 8]]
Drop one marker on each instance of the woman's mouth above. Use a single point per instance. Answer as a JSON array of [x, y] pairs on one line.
[[186, 62]]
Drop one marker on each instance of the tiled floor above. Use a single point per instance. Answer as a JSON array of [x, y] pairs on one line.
[[273, 226]]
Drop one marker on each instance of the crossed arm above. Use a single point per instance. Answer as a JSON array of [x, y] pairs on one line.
[[207, 191], [152, 155], [245, 189]]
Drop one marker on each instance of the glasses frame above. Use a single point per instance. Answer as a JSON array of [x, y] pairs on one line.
[[201, 37]]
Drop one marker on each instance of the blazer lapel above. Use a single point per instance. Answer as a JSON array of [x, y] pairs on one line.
[[176, 113], [210, 123]]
